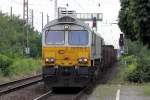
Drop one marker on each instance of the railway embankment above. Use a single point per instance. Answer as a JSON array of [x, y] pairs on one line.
[[134, 67], [18, 69], [14, 63]]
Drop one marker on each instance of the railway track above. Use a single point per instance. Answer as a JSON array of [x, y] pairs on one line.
[[18, 84], [52, 96], [44, 96]]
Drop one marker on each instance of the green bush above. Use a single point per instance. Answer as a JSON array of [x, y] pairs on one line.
[[142, 73], [11, 38], [5, 63], [138, 63], [12, 58], [25, 66], [129, 65]]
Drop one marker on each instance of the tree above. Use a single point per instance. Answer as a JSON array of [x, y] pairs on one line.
[[11, 37], [134, 20]]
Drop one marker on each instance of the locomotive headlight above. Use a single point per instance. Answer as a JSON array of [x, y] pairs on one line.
[[82, 60], [52, 59], [85, 60], [46, 60], [49, 60]]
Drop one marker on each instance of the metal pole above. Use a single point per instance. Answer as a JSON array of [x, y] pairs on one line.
[[11, 12], [23, 36], [56, 8], [23, 11], [47, 18], [1, 12], [27, 36], [32, 18], [42, 21], [25, 27]]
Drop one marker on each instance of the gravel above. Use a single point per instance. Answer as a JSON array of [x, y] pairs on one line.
[[32, 92], [28, 93]]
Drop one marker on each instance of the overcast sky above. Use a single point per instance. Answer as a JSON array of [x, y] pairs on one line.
[[109, 8]]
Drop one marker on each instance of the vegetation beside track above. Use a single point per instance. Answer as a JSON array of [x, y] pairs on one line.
[[135, 66], [104, 92], [146, 88], [25, 66], [18, 67], [134, 23], [13, 62], [11, 38]]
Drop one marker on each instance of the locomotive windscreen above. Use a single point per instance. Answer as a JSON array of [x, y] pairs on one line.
[[55, 37], [78, 37]]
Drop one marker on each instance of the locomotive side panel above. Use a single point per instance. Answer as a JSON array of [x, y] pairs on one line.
[[96, 50]]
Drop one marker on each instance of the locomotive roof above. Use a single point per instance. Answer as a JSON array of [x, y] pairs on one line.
[[66, 20]]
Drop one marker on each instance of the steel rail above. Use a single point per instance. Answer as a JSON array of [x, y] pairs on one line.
[[12, 86], [44, 96], [17, 81]]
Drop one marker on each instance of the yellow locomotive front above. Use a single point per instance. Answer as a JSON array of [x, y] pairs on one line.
[[66, 54]]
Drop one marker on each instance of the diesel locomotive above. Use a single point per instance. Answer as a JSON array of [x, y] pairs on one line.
[[71, 53]]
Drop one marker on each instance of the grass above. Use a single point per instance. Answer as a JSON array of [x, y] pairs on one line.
[[25, 66], [22, 67], [146, 89], [104, 92], [120, 76], [126, 67]]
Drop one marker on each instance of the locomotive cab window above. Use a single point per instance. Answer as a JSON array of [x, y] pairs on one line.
[[55, 37], [78, 37]]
